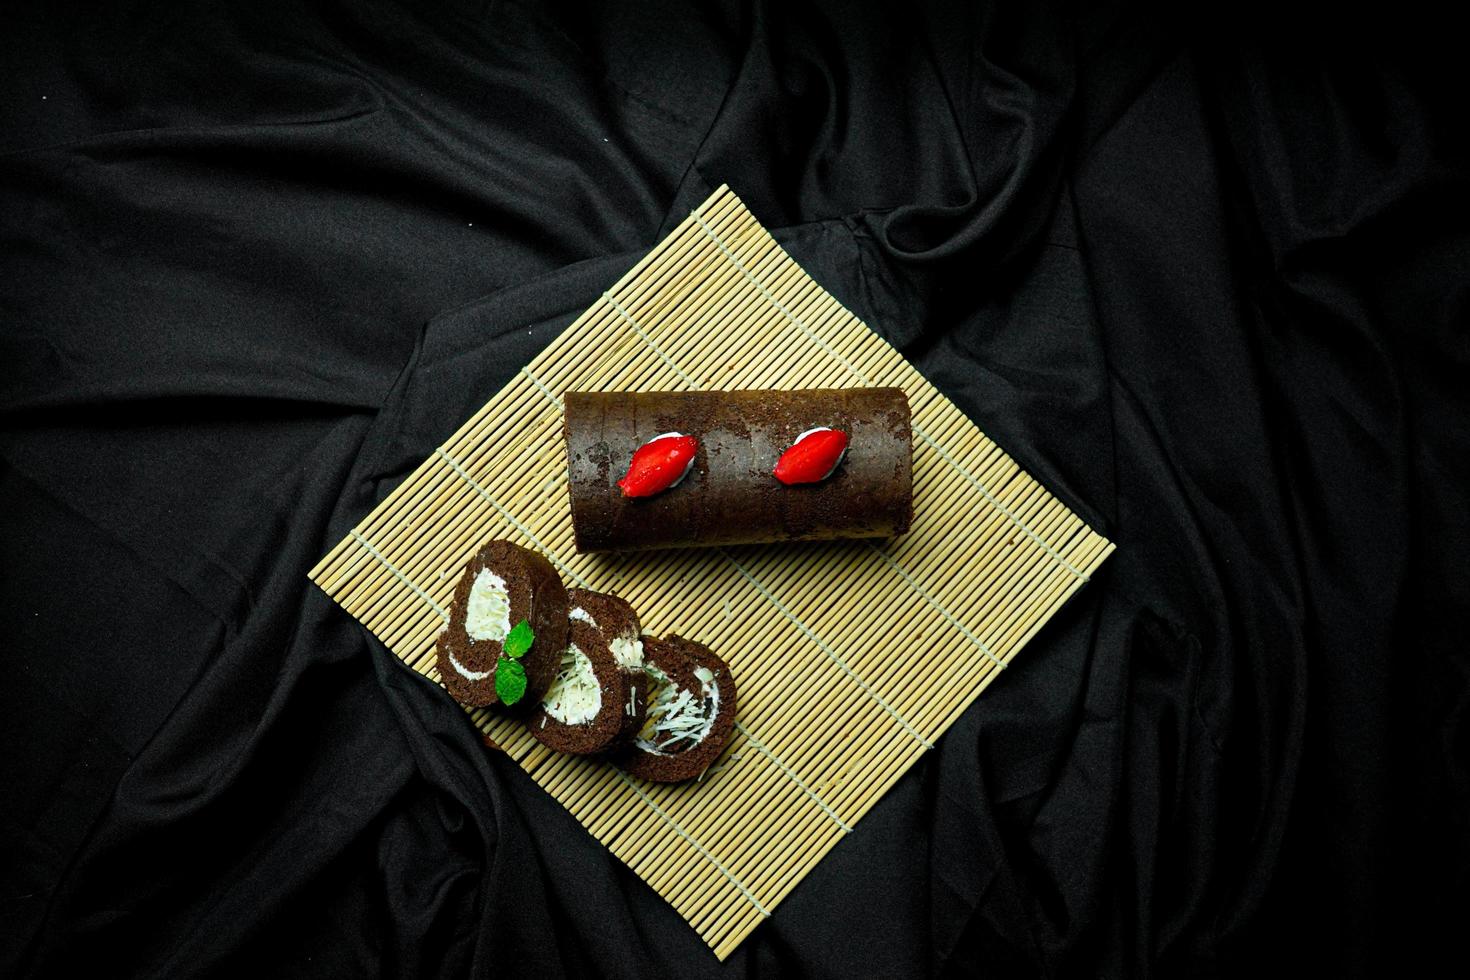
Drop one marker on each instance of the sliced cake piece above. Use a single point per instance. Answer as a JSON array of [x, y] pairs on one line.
[[618, 623], [591, 702], [502, 586], [690, 716]]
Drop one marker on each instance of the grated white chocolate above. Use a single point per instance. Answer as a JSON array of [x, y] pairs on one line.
[[628, 651], [676, 716], [487, 615], [574, 697]]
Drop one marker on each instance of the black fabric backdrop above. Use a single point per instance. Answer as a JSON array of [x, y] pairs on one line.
[[1210, 288]]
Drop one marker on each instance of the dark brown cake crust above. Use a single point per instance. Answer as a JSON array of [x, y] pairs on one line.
[[606, 729], [537, 595], [730, 496], [678, 658]]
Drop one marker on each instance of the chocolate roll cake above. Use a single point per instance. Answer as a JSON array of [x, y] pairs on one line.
[[593, 703], [728, 492], [691, 714], [618, 623], [503, 585]]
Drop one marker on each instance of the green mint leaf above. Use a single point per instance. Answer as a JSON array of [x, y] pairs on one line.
[[510, 680], [519, 640]]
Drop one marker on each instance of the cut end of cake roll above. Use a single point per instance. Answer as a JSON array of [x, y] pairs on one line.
[[592, 703], [502, 586], [619, 625], [691, 712]]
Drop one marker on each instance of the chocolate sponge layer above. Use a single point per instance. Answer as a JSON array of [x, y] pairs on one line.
[[613, 615], [729, 496]]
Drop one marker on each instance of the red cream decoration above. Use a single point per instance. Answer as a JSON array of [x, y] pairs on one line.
[[813, 457], [659, 464]]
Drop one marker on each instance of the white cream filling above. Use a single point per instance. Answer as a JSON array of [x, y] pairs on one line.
[[465, 672], [487, 616], [627, 650], [822, 428], [574, 696], [582, 615], [676, 716], [687, 466]]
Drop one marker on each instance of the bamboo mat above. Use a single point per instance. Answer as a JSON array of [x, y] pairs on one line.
[[851, 657]]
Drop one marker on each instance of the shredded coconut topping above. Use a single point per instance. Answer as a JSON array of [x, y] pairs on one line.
[[574, 697], [676, 716], [628, 651], [487, 616]]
